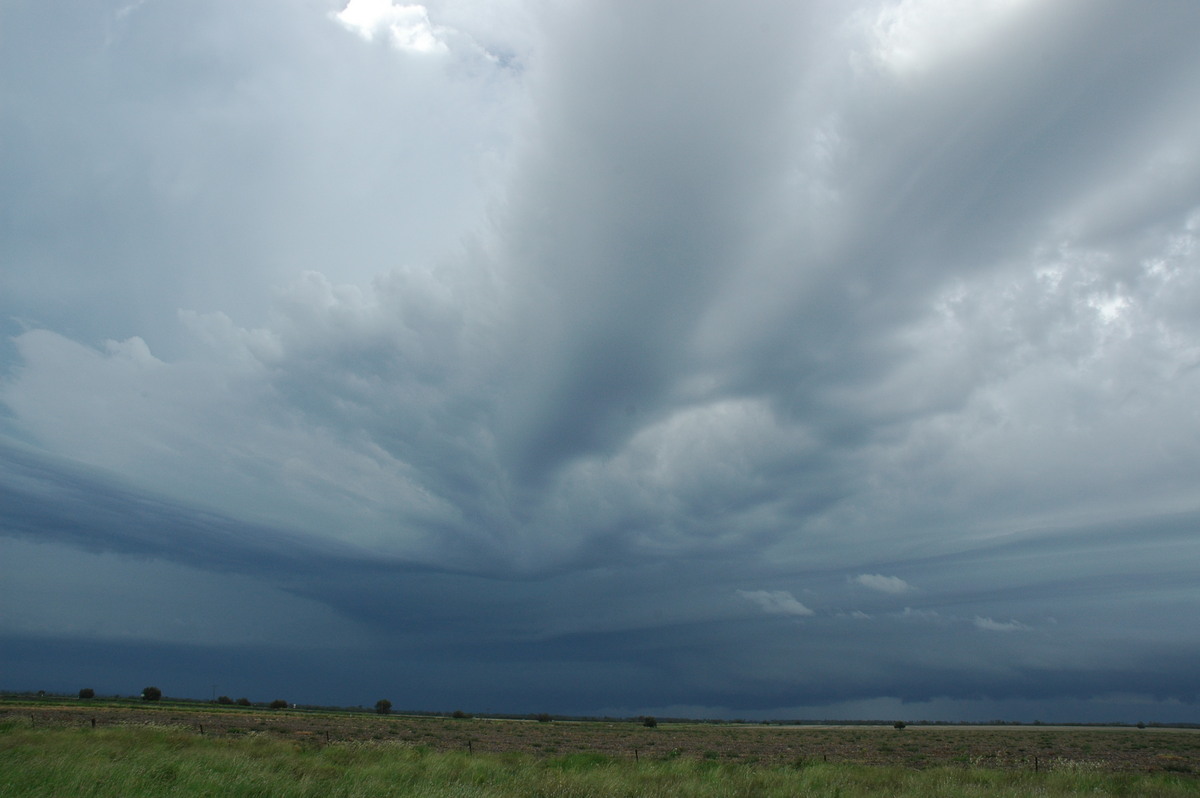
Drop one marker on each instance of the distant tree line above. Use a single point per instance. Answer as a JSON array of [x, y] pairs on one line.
[[384, 707]]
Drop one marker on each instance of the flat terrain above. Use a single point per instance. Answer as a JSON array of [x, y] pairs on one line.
[[1041, 748]]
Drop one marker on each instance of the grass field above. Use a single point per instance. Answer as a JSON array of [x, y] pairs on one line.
[[136, 751]]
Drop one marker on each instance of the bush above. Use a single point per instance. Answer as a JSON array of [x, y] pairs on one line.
[[898, 725], [278, 703], [543, 717], [383, 706], [151, 694], [224, 699], [243, 702], [649, 721], [87, 692], [458, 713]]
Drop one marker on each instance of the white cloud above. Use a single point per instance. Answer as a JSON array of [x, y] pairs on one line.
[[407, 26], [914, 36], [884, 584], [775, 602], [989, 625]]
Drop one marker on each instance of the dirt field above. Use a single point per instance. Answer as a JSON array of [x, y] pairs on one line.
[[1008, 747]]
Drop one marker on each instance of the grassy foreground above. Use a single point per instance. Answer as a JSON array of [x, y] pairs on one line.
[[135, 761]]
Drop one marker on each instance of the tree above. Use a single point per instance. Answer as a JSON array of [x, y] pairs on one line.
[[383, 706], [278, 703], [87, 692], [458, 713], [899, 725], [224, 699], [243, 702], [649, 721], [151, 694]]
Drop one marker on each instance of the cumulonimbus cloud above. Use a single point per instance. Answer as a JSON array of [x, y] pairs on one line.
[[740, 300]]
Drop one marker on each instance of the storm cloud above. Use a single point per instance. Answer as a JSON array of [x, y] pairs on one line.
[[823, 359]]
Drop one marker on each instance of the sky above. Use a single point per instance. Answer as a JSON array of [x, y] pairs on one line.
[[764, 360]]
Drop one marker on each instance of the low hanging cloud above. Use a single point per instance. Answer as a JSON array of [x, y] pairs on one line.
[[542, 329], [989, 625], [884, 584], [776, 602]]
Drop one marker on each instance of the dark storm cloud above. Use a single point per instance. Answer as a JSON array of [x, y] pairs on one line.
[[640, 192], [43, 498], [779, 357]]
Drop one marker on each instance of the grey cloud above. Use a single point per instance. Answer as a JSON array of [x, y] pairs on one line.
[[243, 144], [56, 501], [623, 271], [579, 354]]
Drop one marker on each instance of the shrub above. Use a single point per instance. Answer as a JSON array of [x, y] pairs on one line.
[[458, 713], [243, 702], [224, 699], [383, 706], [151, 694], [278, 703], [649, 721], [543, 717], [87, 692], [898, 725]]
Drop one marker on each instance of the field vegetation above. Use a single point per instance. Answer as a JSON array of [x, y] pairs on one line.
[[108, 749]]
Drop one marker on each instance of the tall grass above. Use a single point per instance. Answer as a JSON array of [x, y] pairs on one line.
[[163, 761]]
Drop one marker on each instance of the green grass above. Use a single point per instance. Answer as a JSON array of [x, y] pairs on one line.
[[136, 761]]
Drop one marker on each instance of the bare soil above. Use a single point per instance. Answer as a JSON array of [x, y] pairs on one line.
[[1108, 749]]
